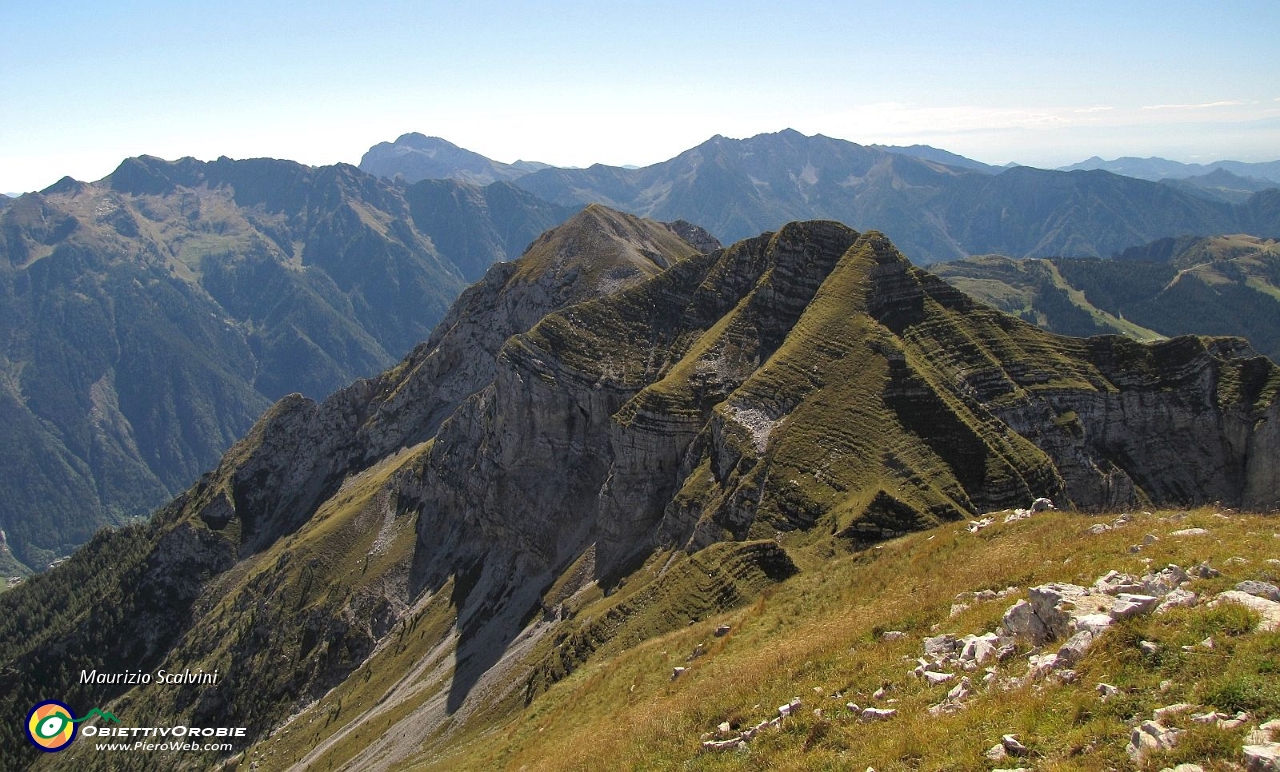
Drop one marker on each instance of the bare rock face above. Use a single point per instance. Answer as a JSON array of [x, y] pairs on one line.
[[1163, 433]]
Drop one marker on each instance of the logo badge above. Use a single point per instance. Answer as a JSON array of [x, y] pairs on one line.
[[51, 726]]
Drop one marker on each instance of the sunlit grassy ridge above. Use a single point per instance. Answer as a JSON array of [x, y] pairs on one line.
[[822, 629]]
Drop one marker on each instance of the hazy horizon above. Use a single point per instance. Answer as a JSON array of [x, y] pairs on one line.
[[573, 84]]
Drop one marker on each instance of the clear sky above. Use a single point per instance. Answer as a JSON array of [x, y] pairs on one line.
[[84, 85]]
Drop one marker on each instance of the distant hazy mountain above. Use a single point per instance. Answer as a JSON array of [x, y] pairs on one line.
[[933, 211], [415, 157], [936, 205], [1220, 185], [1162, 168], [477, 226], [1224, 285], [941, 156], [151, 316]]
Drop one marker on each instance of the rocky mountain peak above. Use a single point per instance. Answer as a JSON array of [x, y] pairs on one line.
[[67, 186], [414, 157], [419, 141]]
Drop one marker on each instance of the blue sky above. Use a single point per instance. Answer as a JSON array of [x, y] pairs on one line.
[[84, 85]]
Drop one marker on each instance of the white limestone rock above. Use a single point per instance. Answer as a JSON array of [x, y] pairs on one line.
[[1262, 758], [1178, 598], [1132, 605], [1149, 737], [1260, 589]]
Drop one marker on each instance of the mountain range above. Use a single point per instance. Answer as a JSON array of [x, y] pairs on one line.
[[156, 313], [608, 438], [1224, 285], [1154, 168], [414, 157], [935, 205], [152, 316]]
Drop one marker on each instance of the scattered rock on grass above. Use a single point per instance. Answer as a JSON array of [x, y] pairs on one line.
[[1013, 746], [960, 692], [1149, 737], [977, 525], [1205, 571], [1114, 583], [1160, 714], [1178, 598], [1260, 589], [977, 649], [1132, 605]]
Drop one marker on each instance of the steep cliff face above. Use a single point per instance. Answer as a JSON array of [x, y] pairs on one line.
[[1188, 420]]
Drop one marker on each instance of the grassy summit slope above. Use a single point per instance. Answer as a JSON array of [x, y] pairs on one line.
[[818, 637]]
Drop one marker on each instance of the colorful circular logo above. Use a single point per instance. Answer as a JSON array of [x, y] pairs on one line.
[[51, 726]]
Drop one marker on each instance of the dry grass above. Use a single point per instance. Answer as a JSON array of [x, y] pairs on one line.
[[821, 629]]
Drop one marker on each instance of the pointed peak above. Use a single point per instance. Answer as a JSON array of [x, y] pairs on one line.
[[600, 213], [602, 246], [884, 250], [65, 186], [817, 230]]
